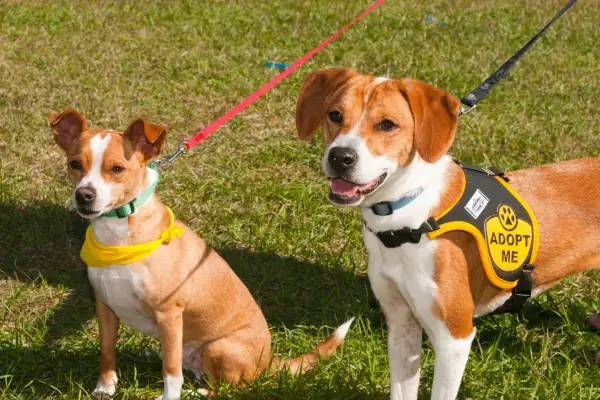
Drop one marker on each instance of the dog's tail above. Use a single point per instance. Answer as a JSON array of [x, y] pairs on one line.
[[307, 361]]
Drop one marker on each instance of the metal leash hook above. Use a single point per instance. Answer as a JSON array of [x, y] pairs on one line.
[[165, 161], [464, 111]]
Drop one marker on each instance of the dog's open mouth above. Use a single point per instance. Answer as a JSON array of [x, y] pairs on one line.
[[87, 213], [345, 192]]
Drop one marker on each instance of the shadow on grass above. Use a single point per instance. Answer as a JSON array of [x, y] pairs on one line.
[[506, 332], [292, 292], [38, 373], [50, 370], [42, 242]]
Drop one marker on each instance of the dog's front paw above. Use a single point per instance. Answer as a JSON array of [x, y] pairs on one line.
[[105, 391], [97, 395]]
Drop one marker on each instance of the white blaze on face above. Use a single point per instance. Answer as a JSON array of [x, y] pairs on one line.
[[368, 167], [94, 179]]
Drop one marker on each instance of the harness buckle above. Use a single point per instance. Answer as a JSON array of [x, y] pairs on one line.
[[406, 230], [382, 209], [432, 224], [528, 267]]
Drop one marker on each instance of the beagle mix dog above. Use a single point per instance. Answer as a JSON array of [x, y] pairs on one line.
[[387, 140], [175, 288]]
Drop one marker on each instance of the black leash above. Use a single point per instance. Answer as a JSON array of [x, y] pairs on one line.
[[483, 90]]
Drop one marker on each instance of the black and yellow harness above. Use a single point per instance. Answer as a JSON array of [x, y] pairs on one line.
[[500, 221]]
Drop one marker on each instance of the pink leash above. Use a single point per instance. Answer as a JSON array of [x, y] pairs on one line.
[[200, 136]]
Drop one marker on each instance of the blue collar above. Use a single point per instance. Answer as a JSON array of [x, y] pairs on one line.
[[388, 207]]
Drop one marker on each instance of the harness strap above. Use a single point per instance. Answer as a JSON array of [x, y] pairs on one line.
[[491, 170], [520, 293], [396, 238], [523, 282]]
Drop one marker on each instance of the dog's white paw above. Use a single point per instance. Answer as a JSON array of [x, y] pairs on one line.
[[97, 395], [105, 392]]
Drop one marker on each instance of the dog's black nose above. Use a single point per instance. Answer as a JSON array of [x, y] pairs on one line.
[[85, 196], [342, 159]]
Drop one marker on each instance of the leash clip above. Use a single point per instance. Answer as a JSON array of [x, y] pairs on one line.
[[165, 161], [464, 111]]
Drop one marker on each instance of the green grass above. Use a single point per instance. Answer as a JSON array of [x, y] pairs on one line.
[[257, 195]]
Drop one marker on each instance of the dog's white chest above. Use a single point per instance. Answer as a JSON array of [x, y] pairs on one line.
[[121, 290], [406, 271]]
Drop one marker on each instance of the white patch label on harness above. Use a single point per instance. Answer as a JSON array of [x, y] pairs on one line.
[[476, 204]]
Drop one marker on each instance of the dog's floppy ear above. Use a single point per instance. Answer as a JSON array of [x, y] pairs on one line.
[[310, 109], [435, 113], [67, 126], [146, 138]]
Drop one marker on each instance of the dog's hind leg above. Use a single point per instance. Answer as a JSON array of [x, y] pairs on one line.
[[228, 360]]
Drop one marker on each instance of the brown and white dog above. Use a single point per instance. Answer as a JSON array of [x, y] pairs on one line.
[[388, 138], [183, 293]]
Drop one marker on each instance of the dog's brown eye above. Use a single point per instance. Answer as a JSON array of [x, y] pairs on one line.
[[335, 117], [117, 169], [386, 125], [76, 165]]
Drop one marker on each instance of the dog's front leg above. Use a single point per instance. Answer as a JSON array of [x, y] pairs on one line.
[[451, 355], [109, 328], [404, 337], [404, 350], [170, 325]]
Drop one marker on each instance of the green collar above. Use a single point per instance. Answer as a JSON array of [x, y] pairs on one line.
[[129, 208]]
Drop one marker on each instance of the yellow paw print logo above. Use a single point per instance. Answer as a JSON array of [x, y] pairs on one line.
[[508, 218]]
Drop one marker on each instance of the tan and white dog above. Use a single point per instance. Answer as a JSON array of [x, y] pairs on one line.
[[183, 293], [386, 139]]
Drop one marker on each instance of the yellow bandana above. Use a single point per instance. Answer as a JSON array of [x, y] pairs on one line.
[[97, 255]]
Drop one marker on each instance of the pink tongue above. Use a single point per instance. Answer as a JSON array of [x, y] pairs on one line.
[[348, 189]]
